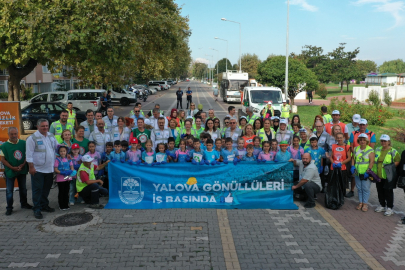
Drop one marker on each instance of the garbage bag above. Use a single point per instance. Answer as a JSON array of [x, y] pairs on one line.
[[334, 196]]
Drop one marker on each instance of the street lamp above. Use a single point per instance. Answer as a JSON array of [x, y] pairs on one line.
[[240, 43], [226, 62], [217, 62], [208, 67], [286, 53]]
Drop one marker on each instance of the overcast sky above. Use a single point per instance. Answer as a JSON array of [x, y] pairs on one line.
[[376, 26]]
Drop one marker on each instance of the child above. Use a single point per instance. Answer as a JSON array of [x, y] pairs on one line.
[[76, 159], [134, 155], [124, 146], [190, 142], [104, 157], [266, 154], [240, 148], [182, 153], [316, 153], [171, 151], [161, 157], [274, 147], [204, 137], [218, 145], [63, 169], [197, 153], [93, 153], [210, 155], [256, 146], [148, 156], [296, 152], [229, 153], [249, 156], [296, 129], [117, 154], [283, 155]]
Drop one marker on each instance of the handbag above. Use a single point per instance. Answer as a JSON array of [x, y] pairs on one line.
[[391, 172], [401, 182]]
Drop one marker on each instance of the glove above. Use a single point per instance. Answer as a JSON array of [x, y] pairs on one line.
[[74, 172], [264, 161], [194, 162], [217, 162], [339, 165], [239, 159], [259, 160], [122, 160], [130, 162], [63, 173], [235, 161], [202, 162], [225, 161], [173, 156], [163, 162], [138, 162], [153, 164], [76, 167], [366, 175], [103, 156], [183, 136], [158, 163], [213, 162], [275, 160], [352, 169], [206, 162], [113, 160], [142, 149], [334, 165], [188, 158], [167, 152], [321, 169]]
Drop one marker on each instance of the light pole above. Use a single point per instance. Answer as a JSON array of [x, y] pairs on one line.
[[286, 54], [217, 61], [226, 61], [240, 43], [210, 70]]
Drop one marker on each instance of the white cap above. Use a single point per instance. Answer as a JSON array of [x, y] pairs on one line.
[[356, 118], [303, 130], [385, 137], [336, 112], [269, 102], [274, 118], [243, 117], [363, 135], [283, 121], [147, 122], [284, 101], [363, 121], [87, 158]]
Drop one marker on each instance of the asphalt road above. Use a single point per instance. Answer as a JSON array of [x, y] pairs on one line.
[[202, 94]]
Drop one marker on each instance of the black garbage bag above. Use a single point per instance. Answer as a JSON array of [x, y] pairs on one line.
[[334, 196]]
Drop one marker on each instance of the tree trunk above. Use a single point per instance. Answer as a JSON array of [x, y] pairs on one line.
[[291, 101], [347, 84], [341, 87], [15, 76]]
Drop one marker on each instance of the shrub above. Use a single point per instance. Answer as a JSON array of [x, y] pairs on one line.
[[387, 99], [322, 91], [366, 85], [374, 98], [3, 95], [374, 115]]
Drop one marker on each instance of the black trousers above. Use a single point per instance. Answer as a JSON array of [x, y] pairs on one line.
[[385, 196], [189, 101], [63, 195], [91, 193], [181, 103], [310, 97]]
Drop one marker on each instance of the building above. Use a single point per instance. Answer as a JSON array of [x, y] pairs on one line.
[[384, 79], [41, 80]]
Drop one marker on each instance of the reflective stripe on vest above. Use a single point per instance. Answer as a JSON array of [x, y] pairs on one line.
[[71, 117], [58, 130], [79, 184], [389, 158]]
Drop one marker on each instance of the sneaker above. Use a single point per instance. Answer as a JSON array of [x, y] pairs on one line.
[[26, 206], [380, 209], [72, 203], [38, 215], [9, 212], [350, 194], [96, 206], [309, 205], [48, 209], [389, 212], [64, 209], [83, 202]]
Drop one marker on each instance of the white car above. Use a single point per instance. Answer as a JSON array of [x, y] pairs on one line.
[[123, 97]]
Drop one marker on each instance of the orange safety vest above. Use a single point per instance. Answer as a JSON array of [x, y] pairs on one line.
[[328, 127], [356, 136], [339, 154]]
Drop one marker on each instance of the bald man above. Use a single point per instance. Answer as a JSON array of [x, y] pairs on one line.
[[309, 179]]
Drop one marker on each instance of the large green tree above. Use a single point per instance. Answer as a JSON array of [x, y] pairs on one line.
[[199, 70], [222, 65], [300, 78], [250, 62], [394, 66], [364, 67], [104, 41]]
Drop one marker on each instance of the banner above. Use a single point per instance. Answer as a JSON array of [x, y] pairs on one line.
[[247, 185]]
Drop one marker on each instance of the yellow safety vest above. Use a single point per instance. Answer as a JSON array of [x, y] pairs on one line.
[[263, 137], [362, 159], [72, 117], [387, 160], [58, 130], [79, 184], [285, 111]]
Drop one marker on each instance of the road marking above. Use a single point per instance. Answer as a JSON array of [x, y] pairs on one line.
[[357, 247], [228, 246]]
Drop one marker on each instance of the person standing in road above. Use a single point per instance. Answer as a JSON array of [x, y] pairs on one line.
[[179, 95], [40, 153], [12, 155], [59, 126], [104, 103], [189, 94]]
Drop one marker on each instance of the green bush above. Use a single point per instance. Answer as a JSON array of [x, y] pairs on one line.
[[374, 98], [322, 91], [3, 95], [375, 115], [387, 99]]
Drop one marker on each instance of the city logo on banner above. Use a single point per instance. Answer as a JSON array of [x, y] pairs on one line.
[[131, 190]]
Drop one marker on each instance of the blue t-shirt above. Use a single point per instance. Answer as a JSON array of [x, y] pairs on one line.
[[117, 156], [161, 157], [283, 157], [211, 156], [148, 157], [316, 155], [189, 92], [197, 155], [246, 158], [229, 155]]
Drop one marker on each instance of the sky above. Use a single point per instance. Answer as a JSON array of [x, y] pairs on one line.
[[377, 27]]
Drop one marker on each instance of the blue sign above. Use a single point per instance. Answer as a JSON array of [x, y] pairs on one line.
[[247, 185]]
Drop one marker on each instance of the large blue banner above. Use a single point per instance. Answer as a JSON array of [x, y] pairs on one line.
[[248, 185]]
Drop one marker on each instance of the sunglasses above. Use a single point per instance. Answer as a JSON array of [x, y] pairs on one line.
[[136, 111]]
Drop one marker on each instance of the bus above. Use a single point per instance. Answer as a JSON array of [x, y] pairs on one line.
[[233, 82]]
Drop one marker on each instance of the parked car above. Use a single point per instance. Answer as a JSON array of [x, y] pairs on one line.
[[162, 83], [47, 110], [82, 99], [170, 82], [122, 96], [156, 86]]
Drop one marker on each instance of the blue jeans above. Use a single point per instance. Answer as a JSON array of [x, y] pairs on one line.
[[73, 191], [363, 187], [21, 179], [41, 186]]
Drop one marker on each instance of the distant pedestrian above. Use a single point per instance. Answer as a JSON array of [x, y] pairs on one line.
[[310, 96], [179, 95], [189, 94], [13, 157], [216, 93]]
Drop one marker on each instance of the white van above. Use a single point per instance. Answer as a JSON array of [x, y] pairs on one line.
[[122, 96], [82, 100], [257, 98]]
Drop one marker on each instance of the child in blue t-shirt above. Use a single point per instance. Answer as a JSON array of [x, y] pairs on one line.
[[161, 156], [218, 145], [117, 154], [283, 155], [256, 146], [316, 153], [171, 150], [182, 154], [197, 154], [229, 153], [210, 155], [148, 156], [249, 156]]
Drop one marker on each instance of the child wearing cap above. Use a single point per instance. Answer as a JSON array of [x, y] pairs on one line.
[[134, 155], [63, 169], [283, 155], [76, 159], [283, 134], [316, 153]]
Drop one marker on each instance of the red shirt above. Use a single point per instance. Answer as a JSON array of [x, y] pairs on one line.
[[85, 176], [339, 154]]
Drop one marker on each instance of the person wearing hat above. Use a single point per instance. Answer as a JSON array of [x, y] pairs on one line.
[[362, 163], [354, 125], [251, 117], [283, 134], [12, 155], [336, 121], [242, 122], [362, 130], [268, 111], [140, 132], [385, 155], [304, 142], [283, 155], [309, 179], [285, 110], [87, 185]]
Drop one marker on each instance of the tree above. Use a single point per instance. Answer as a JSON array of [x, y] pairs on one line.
[[235, 67], [101, 41], [199, 70], [394, 66], [365, 67], [250, 63], [222, 65], [300, 78]]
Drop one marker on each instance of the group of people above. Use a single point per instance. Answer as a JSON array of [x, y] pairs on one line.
[[78, 153]]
